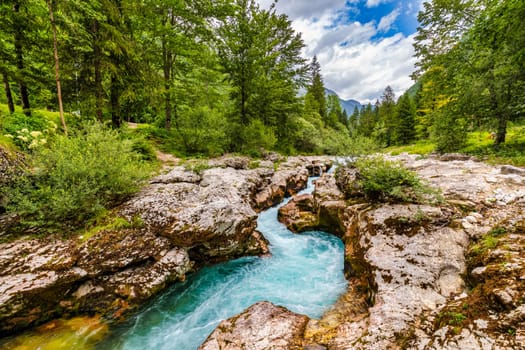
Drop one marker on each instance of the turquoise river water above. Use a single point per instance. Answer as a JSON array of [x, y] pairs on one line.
[[304, 273]]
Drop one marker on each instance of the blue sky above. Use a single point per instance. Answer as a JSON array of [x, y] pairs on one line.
[[362, 45]]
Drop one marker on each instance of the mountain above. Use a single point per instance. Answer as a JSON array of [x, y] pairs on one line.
[[414, 89], [348, 105]]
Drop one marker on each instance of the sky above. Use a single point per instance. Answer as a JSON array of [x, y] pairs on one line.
[[362, 45]]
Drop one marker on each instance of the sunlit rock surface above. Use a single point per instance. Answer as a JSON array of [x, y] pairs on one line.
[[424, 277], [180, 221], [262, 326]]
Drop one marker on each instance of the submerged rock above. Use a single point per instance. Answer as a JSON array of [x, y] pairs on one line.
[[262, 326]]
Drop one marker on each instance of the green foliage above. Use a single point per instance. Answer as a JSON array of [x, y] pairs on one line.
[[488, 241], [203, 131], [315, 95], [454, 318], [256, 137], [480, 144], [423, 148], [449, 132], [27, 132], [198, 166], [262, 56], [109, 222], [471, 61], [76, 178], [386, 180], [405, 131]]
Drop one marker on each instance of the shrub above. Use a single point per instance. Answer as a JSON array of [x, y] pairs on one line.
[[76, 178], [381, 179], [27, 132], [449, 132], [256, 136]]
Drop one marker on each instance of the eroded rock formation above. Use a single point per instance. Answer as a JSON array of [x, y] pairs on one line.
[[420, 276], [180, 221], [262, 326]]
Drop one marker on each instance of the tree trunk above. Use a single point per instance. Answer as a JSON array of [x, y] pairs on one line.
[[501, 130], [114, 96], [24, 94], [244, 97], [97, 62], [8, 94], [166, 58], [57, 71]]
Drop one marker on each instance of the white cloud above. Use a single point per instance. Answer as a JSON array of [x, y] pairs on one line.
[[363, 71], [386, 22], [354, 61], [374, 3], [306, 9]]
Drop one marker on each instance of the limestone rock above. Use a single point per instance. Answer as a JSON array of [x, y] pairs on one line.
[[282, 184], [347, 180], [299, 214], [326, 189], [216, 212], [235, 162], [262, 326], [177, 174], [449, 157], [509, 169], [113, 250], [412, 258], [184, 220]]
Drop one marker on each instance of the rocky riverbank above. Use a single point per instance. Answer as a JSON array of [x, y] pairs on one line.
[[182, 220], [450, 276]]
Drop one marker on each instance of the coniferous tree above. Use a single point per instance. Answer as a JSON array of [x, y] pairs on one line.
[[405, 126], [387, 120], [316, 89]]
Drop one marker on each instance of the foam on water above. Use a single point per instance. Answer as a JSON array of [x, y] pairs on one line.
[[304, 274]]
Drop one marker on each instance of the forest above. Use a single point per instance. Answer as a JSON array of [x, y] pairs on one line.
[[201, 78], [207, 77]]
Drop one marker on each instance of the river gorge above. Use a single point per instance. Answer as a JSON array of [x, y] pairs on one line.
[[210, 257]]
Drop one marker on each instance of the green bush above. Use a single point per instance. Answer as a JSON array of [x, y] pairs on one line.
[[26, 132], [449, 132], [381, 179], [202, 130], [256, 136], [74, 179]]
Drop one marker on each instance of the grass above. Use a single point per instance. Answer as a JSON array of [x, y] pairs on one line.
[[50, 115], [480, 144], [108, 222], [489, 241], [421, 147]]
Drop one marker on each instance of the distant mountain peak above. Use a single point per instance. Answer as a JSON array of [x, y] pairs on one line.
[[348, 105]]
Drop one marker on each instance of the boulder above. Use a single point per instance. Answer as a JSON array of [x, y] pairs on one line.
[[112, 272], [283, 184], [213, 213], [262, 326], [449, 157], [299, 214], [509, 169], [235, 162]]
